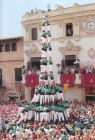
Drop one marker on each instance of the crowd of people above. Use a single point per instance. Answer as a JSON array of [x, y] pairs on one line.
[[88, 69], [79, 125], [32, 70]]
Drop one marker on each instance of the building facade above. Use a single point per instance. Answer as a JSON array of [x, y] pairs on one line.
[[11, 59], [73, 38]]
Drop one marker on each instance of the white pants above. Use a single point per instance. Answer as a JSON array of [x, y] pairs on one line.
[[51, 98], [46, 98], [43, 53], [55, 116], [25, 116], [46, 82], [55, 96], [41, 116], [48, 27], [35, 116], [60, 116], [50, 67], [38, 97], [49, 39], [60, 96], [50, 53], [41, 99], [29, 115], [84, 130], [32, 114], [65, 113], [68, 112], [34, 98], [42, 68], [45, 68], [21, 118], [44, 40], [52, 113], [46, 116], [38, 116], [43, 28], [46, 54]]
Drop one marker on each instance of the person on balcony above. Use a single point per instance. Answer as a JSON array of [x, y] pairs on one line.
[[87, 70], [72, 70]]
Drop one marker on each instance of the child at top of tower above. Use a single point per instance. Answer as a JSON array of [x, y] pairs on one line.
[[45, 23]]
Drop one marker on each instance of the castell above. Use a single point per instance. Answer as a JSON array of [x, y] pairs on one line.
[[48, 104]]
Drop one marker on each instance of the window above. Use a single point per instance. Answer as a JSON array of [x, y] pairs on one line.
[[18, 74], [34, 33], [0, 77], [7, 47], [36, 62], [69, 29], [70, 59], [1, 47], [14, 46]]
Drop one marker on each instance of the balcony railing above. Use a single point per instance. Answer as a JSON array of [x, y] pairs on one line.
[[85, 80]]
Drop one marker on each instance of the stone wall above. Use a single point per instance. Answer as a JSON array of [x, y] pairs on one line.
[[8, 62]]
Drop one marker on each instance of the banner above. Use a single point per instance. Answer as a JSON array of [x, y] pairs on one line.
[[88, 80], [68, 79], [32, 80]]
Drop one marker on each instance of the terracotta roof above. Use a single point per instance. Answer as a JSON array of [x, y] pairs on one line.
[[13, 37]]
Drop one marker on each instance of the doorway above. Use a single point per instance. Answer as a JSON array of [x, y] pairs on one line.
[[89, 98], [35, 61], [69, 60], [37, 64]]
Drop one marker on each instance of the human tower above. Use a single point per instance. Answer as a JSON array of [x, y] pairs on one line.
[[48, 101]]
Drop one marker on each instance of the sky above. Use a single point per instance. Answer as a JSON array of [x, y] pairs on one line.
[[11, 12]]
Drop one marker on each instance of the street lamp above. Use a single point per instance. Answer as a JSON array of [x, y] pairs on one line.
[[58, 65], [23, 67]]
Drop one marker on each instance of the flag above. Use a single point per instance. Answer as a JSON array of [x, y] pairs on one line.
[[65, 87]]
